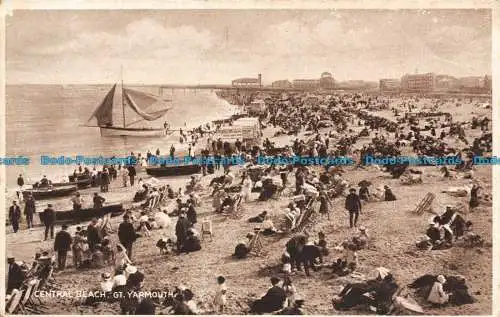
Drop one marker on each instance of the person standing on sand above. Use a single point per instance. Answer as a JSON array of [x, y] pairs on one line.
[[49, 217], [20, 181], [474, 200], [124, 174], [93, 237], [14, 216], [131, 174], [127, 235], [220, 299], [181, 231], [29, 210], [353, 205], [62, 244]]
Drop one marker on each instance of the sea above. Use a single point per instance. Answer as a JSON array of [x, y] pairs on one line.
[[48, 119]]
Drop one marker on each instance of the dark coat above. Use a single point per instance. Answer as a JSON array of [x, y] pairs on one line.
[[389, 196], [131, 171], [15, 277], [191, 214], [62, 241], [272, 301], [98, 201], [93, 237], [14, 213], [181, 228], [126, 233], [20, 181], [352, 202], [29, 207], [49, 216], [146, 307], [135, 280]]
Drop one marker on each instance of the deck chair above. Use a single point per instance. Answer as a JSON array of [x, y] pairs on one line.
[[36, 299], [206, 229], [15, 305], [28, 298]]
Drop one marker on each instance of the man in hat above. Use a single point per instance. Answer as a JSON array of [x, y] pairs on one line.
[[389, 196], [272, 301], [29, 210], [98, 201], [93, 237], [49, 218], [181, 230], [20, 181], [62, 244], [353, 205], [127, 235], [14, 215], [15, 275]]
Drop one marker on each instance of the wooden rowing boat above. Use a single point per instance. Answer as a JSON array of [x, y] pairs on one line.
[[46, 193], [176, 170], [89, 213]]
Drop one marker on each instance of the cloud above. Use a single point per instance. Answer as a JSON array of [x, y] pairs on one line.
[[351, 44]]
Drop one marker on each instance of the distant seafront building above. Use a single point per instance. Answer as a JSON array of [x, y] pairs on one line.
[[309, 84], [248, 82], [326, 81], [281, 84], [418, 82], [389, 85]]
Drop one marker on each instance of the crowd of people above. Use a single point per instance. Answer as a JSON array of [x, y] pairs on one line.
[[349, 121]]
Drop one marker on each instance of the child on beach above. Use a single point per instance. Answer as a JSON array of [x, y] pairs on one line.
[[124, 173], [220, 296]]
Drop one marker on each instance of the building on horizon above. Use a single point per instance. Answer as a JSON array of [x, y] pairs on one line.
[[282, 84], [307, 84], [326, 81], [248, 82], [418, 82], [389, 85], [487, 83], [447, 83]]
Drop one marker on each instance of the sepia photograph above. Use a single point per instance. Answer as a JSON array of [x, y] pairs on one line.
[[248, 161]]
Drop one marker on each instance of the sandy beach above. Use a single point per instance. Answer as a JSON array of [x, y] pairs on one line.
[[392, 224]]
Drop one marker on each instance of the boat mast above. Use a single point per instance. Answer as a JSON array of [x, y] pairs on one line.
[[123, 103]]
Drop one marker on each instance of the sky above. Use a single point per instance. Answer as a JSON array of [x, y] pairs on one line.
[[217, 46]]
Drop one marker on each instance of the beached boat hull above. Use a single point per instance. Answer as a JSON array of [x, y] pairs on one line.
[[39, 194], [173, 170], [117, 131], [82, 181], [89, 213]]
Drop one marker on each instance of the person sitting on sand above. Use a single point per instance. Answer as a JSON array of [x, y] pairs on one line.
[[192, 242], [294, 310], [389, 196], [321, 243], [134, 277], [97, 260], [241, 250], [121, 258], [268, 227], [437, 295], [361, 239], [272, 301], [259, 218]]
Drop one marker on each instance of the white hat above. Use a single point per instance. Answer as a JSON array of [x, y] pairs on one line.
[[130, 269], [441, 279]]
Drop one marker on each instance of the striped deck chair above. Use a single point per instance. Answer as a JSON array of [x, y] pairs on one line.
[[15, 305], [29, 296]]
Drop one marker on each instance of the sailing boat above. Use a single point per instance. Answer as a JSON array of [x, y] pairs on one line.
[[129, 98]]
